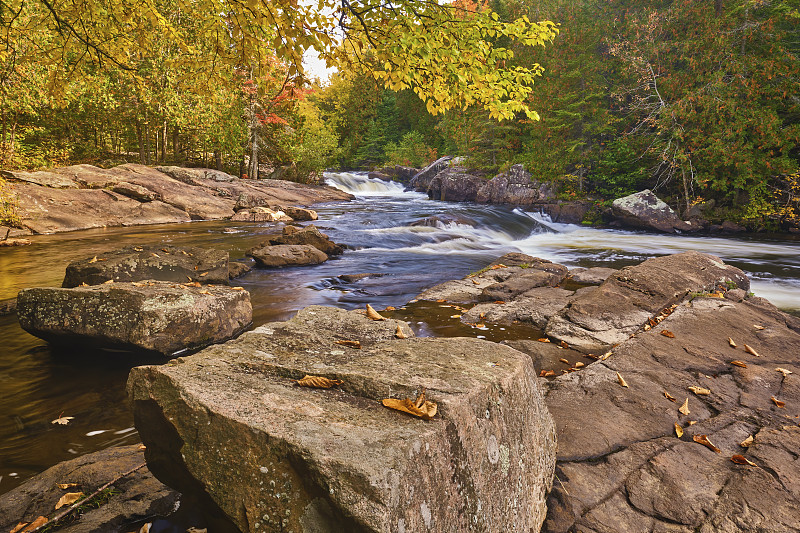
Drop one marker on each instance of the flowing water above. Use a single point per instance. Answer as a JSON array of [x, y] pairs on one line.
[[39, 384]]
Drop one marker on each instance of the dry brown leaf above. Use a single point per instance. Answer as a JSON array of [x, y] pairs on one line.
[[62, 420], [758, 327], [783, 371], [742, 460], [455, 316], [372, 314], [739, 364], [684, 409], [700, 391], [441, 301], [563, 344], [68, 499], [145, 528], [138, 249], [203, 274], [621, 380], [703, 439], [647, 327], [420, 408], [65, 486], [107, 282], [777, 402], [23, 527], [591, 356], [194, 284], [605, 356], [93, 260], [544, 339], [678, 430], [750, 350], [670, 397], [142, 447], [580, 365], [350, 344], [747, 442], [318, 382], [205, 292], [546, 373], [730, 341], [652, 322], [476, 282], [165, 250], [667, 333], [566, 362], [692, 422], [500, 302], [238, 288], [398, 333], [390, 308]]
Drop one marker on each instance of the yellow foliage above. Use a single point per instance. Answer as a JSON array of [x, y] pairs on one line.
[[9, 207]]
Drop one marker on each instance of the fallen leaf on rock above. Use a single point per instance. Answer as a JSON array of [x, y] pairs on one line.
[[350, 344], [64, 486], [758, 327], [107, 282], [145, 528], [739, 364], [667, 333], [500, 302], [563, 344], [684, 409], [455, 316], [703, 439], [68, 499], [238, 288], [652, 322], [194, 284], [482, 316], [62, 420], [154, 254], [372, 314], [420, 408], [605, 356], [23, 527], [83, 284], [564, 361], [476, 282], [647, 327], [440, 301], [747, 442], [544, 339], [204, 274], [621, 380], [205, 292], [670, 397], [390, 308], [189, 278], [93, 260], [692, 422], [678, 430], [546, 373], [318, 382], [142, 447], [700, 391], [398, 333], [750, 350], [580, 365], [480, 326], [777, 402], [730, 341], [138, 249], [742, 460], [783, 371]]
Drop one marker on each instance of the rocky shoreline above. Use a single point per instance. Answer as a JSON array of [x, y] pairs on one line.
[[659, 397]]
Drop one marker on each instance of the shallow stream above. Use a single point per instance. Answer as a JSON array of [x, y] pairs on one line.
[[38, 384]]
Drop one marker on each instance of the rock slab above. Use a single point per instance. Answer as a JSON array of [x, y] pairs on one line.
[[156, 316], [287, 255], [645, 210], [230, 422]]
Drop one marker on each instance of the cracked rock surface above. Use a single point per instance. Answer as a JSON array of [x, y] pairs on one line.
[[231, 425]]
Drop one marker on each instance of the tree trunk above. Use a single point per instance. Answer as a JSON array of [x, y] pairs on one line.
[[218, 159], [140, 138], [164, 143]]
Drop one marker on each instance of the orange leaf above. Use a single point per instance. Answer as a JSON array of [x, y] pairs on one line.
[[564, 361], [318, 382], [750, 350], [399, 333], [777, 402], [23, 527], [350, 344], [703, 439], [739, 363], [678, 430], [372, 314], [546, 373], [68, 499], [742, 460], [420, 408], [667, 333], [544, 339], [670, 397], [563, 344]]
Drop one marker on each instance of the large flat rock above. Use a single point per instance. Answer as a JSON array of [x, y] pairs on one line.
[[158, 316], [230, 422]]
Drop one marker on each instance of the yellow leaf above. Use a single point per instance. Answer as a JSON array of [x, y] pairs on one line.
[[684, 409], [318, 382], [68, 499], [64, 486], [747, 442], [420, 408], [700, 391], [783, 371], [63, 420], [350, 344], [750, 350], [372, 314], [678, 430], [93, 260], [398, 333], [621, 380], [730, 341]]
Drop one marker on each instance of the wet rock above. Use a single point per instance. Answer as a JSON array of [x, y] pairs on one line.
[[136, 192], [337, 458], [8, 307], [157, 316], [379, 176], [566, 212], [620, 460], [352, 278], [14, 242], [261, 214], [161, 263], [238, 269], [645, 210], [138, 496], [400, 173], [547, 355], [421, 180], [287, 255], [308, 235], [455, 184], [515, 187], [534, 307], [627, 299], [435, 221], [539, 273], [732, 227], [300, 214], [591, 276]]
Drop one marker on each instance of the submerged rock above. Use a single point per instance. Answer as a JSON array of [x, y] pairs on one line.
[[287, 255], [157, 316], [137, 497], [237, 269], [231, 423], [645, 210], [308, 235], [160, 263]]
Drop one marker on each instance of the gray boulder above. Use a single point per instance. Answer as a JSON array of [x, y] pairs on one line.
[[627, 299], [455, 184], [307, 235], [237, 269], [261, 214], [231, 423], [300, 214], [157, 316], [422, 179], [287, 255], [516, 187], [591, 276], [160, 263], [645, 210], [535, 307]]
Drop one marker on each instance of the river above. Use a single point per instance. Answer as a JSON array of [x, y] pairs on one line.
[[38, 384]]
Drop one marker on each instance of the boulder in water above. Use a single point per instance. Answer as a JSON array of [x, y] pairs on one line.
[[435, 221], [237, 269], [157, 316], [261, 214], [645, 210], [287, 255], [161, 263], [232, 423], [455, 184], [307, 235], [300, 214], [422, 179], [515, 187]]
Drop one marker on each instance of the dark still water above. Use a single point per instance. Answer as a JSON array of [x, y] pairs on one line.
[[37, 384]]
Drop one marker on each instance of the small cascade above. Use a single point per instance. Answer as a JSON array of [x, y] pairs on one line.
[[359, 184]]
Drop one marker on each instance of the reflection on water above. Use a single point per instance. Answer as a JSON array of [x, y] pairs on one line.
[[37, 385]]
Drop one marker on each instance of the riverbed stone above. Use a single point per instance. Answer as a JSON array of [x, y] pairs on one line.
[[645, 210], [623, 467], [161, 263], [237, 269], [138, 496], [231, 422], [628, 298], [287, 255], [261, 214], [455, 184], [300, 214], [422, 179], [591, 276], [157, 316], [308, 235], [137, 192], [535, 307], [538, 273], [515, 187]]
